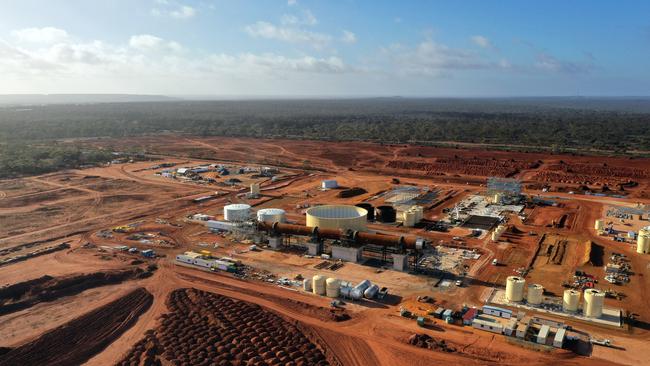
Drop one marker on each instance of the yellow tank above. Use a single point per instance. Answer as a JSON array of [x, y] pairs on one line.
[[643, 241], [318, 284], [535, 294], [594, 300], [337, 217], [599, 225], [496, 236], [571, 300], [332, 287], [515, 288]]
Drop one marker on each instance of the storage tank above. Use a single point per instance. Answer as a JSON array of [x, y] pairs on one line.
[[593, 303], [236, 212], [307, 284], [535, 294], [599, 225], [255, 189], [329, 184], [409, 218], [345, 291], [318, 284], [271, 215], [496, 236], [371, 292], [497, 198], [386, 214], [332, 287], [515, 288], [419, 213], [570, 300], [363, 285], [356, 294], [337, 217], [643, 241], [368, 207]]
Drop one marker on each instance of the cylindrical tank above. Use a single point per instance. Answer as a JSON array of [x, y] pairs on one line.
[[332, 286], [535, 294], [496, 236], [307, 284], [255, 189], [271, 215], [368, 207], [419, 213], [329, 183], [593, 303], [236, 212], [599, 225], [318, 284], [497, 198], [363, 285], [371, 292], [386, 214], [337, 217], [515, 288], [356, 294], [570, 300], [345, 291], [409, 218], [643, 241]]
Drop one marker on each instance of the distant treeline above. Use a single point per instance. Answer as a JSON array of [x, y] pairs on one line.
[[544, 122], [18, 159]]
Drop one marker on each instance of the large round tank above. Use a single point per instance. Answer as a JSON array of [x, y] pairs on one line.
[[593, 303], [386, 214], [515, 288], [363, 285], [368, 207], [337, 217], [371, 292], [570, 300], [356, 294], [271, 215], [643, 241], [318, 284], [236, 212], [307, 284], [599, 225], [332, 286], [535, 294]]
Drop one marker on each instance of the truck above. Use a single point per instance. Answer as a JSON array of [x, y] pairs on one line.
[[148, 253]]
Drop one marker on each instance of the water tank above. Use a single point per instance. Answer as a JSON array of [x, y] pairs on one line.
[[363, 285], [356, 294], [329, 184], [306, 284], [332, 287], [515, 288], [271, 215], [599, 225], [386, 214], [593, 303], [371, 292], [643, 241], [368, 207], [318, 284], [570, 300], [255, 189], [236, 212], [535, 294], [337, 217]]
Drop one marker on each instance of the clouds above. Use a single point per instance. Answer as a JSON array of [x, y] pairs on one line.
[[173, 10], [148, 42], [481, 41], [432, 58], [262, 29], [349, 37], [40, 35], [548, 62]]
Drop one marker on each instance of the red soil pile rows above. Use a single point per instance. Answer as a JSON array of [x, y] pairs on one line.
[[209, 329], [80, 339], [590, 174], [465, 166]]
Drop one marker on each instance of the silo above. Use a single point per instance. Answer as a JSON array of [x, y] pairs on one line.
[[271, 215], [593, 303], [236, 212], [332, 287], [307, 284], [368, 207], [386, 214], [570, 300], [515, 288], [599, 225], [535, 294], [409, 218], [643, 241], [255, 189], [318, 284]]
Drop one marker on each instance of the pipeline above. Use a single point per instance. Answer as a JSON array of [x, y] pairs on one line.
[[358, 237]]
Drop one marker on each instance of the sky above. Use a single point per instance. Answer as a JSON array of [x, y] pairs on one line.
[[326, 48]]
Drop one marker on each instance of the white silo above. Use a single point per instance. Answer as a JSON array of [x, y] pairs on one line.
[[236, 212], [535, 294], [409, 218], [515, 288], [570, 300], [271, 215], [307, 284], [318, 284], [593, 303], [332, 287], [643, 241]]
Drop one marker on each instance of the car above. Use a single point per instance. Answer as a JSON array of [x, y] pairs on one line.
[[459, 283]]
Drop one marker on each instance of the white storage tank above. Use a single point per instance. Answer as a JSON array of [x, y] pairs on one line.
[[409, 219], [345, 291], [329, 184], [255, 189], [371, 292], [271, 215], [236, 212], [356, 294], [307, 284], [332, 287], [363, 285], [535, 294], [593, 303], [570, 300], [515, 288], [318, 284], [599, 225], [643, 241]]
